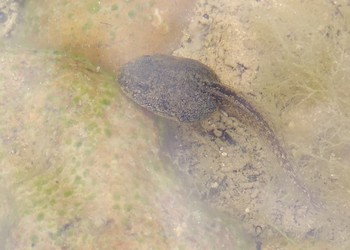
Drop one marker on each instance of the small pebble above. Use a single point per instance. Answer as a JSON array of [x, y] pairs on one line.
[[217, 132], [214, 185]]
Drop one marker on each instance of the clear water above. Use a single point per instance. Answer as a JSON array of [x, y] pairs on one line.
[[79, 162]]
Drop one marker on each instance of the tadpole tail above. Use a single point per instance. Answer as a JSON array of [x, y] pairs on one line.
[[236, 106]]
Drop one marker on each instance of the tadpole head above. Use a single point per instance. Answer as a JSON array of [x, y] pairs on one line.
[[169, 86]]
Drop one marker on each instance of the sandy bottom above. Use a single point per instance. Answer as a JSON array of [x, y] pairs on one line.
[[224, 159], [95, 155]]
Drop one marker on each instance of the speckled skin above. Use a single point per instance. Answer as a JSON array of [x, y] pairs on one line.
[[170, 86], [187, 90]]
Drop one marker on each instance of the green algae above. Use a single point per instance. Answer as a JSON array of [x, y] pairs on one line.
[[132, 14], [77, 112], [128, 207], [302, 65], [93, 7], [40, 216], [115, 7], [34, 239], [303, 77], [108, 132], [68, 193], [307, 70], [85, 156], [87, 26]]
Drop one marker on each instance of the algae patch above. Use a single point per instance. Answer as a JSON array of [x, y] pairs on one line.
[[61, 116], [303, 78]]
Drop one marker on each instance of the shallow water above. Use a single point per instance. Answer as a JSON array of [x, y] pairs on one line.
[[107, 32], [80, 163]]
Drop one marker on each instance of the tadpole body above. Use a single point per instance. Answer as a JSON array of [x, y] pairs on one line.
[[186, 90]]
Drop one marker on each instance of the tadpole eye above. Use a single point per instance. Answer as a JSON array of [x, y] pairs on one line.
[[3, 17]]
